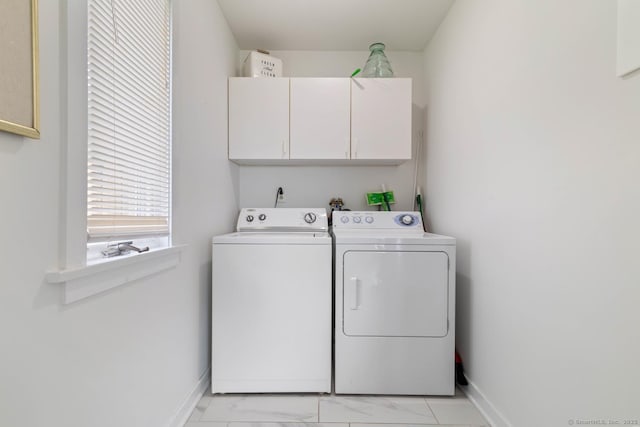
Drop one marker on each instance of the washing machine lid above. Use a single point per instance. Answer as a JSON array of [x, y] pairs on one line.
[[274, 238], [389, 237]]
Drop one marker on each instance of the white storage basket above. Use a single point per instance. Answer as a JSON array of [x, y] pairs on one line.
[[261, 64]]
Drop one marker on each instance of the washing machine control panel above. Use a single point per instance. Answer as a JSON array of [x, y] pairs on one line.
[[377, 220], [282, 219]]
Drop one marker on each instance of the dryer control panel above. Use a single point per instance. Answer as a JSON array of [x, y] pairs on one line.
[[282, 219], [379, 220]]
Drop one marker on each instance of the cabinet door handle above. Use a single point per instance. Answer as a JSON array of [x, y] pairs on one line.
[[354, 289], [284, 149], [355, 148]]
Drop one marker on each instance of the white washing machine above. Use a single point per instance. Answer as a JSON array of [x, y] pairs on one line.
[[272, 299], [394, 305]]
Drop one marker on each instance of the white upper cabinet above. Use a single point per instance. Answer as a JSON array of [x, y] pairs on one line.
[[320, 122], [258, 118], [381, 119]]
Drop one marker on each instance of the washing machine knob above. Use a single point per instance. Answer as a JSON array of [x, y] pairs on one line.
[[249, 218], [309, 217], [344, 219], [262, 217], [369, 219], [407, 219], [357, 219]]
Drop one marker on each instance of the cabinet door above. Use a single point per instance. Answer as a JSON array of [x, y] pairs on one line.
[[320, 118], [258, 118], [381, 118]]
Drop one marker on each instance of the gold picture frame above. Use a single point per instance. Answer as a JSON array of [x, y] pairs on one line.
[[19, 68]]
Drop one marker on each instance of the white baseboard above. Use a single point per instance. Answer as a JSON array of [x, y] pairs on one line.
[[486, 408], [185, 410]]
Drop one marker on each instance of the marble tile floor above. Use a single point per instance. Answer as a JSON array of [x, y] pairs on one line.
[[310, 410]]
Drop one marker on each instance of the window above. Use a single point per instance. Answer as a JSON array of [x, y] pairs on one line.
[[129, 116], [117, 152]]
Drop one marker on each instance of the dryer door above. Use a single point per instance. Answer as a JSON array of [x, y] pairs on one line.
[[395, 293]]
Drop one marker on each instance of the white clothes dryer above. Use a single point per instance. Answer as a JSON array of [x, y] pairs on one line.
[[394, 305], [272, 299]]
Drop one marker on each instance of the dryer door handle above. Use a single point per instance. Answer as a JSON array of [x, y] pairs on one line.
[[355, 283]]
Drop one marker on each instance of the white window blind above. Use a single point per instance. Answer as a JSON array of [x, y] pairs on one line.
[[129, 59]]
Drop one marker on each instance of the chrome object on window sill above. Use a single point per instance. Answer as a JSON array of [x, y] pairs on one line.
[[122, 248]]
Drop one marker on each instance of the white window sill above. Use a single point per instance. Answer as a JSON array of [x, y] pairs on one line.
[[83, 282]]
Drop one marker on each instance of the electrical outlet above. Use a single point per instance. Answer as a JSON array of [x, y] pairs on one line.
[[280, 196]]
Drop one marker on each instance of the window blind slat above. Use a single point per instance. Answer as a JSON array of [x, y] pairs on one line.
[[127, 191], [128, 49], [132, 194], [130, 122], [102, 126], [121, 178], [109, 165], [110, 160], [108, 100], [99, 83], [112, 146], [106, 225]]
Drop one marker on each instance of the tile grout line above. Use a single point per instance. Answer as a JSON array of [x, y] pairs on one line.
[[432, 411], [196, 410]]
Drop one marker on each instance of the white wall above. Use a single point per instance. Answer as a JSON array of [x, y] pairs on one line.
[[315, 186], [131, 356], [532, 163], [205, 182]]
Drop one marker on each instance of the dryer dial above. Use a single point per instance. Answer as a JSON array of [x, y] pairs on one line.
[[407, 219], [262, 217], [249, 218], [309, 217]]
